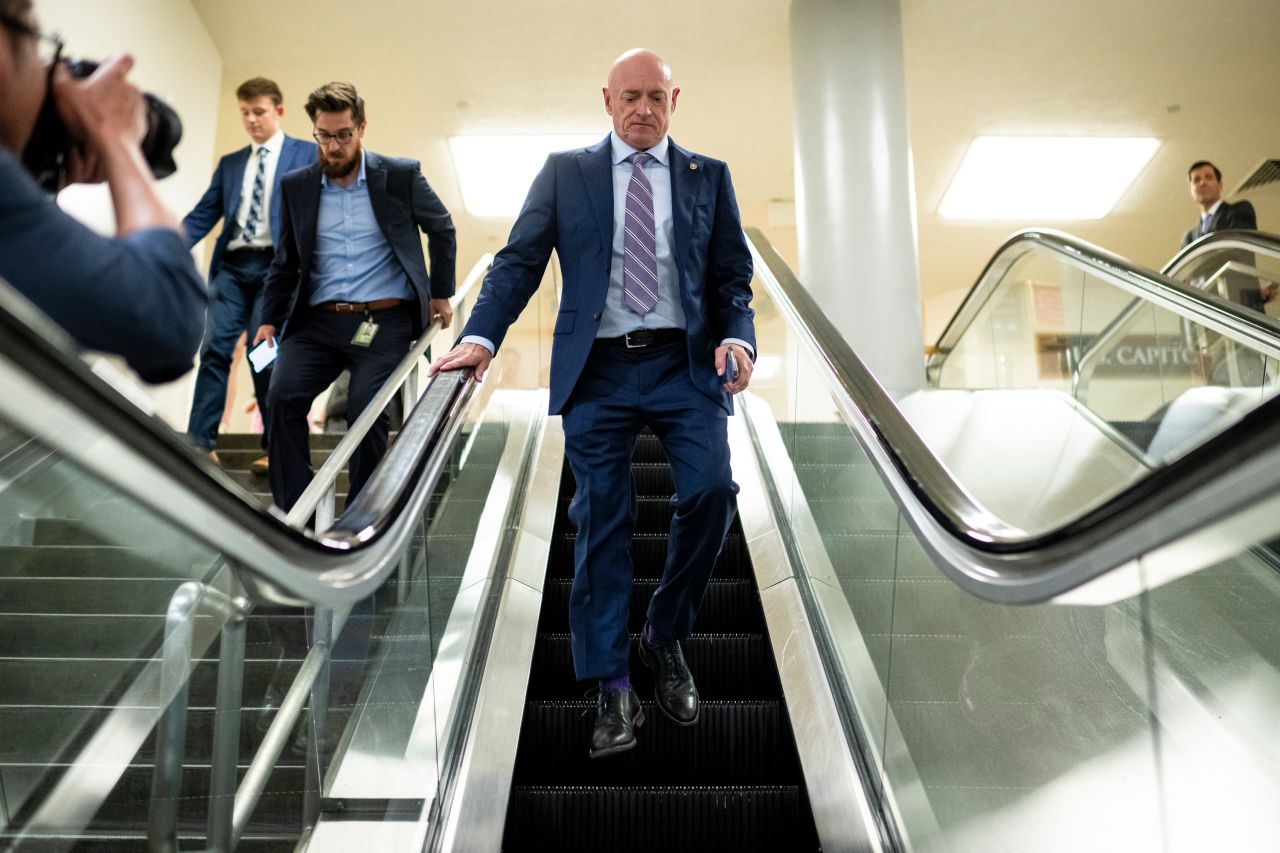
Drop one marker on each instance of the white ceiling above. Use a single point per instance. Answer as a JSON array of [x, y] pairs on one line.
[[1202, 78]]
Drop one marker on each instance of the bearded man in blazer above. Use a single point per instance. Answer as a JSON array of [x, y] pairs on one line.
[[348, 288], [247, 201], [656, 292]]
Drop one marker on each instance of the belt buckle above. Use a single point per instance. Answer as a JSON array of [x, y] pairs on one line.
[[627, 340], [345, 307]]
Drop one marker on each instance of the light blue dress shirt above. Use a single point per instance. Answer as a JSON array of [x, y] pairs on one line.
[[353, 261]]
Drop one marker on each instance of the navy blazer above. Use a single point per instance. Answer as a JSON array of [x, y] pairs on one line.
[[570, 209], [1237, 216], [222, 200], [402, 203]]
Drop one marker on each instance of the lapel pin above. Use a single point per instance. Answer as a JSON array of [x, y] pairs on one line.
[[693, 167]]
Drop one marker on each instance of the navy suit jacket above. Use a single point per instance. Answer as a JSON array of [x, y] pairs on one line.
[[1228, 216], [222, 200], [402, 202], [570, 209]]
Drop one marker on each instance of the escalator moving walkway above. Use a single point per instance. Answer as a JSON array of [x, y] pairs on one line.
[[731, 782]]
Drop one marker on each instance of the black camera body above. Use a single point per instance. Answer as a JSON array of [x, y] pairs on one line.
[[50, 145]]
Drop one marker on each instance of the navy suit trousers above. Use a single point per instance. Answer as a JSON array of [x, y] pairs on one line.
[[317, 349], [235, 306], [620, 392]]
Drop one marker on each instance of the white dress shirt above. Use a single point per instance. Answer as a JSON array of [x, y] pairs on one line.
[[261, 238]]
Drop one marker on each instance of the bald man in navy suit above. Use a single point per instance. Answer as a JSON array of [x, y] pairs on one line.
[[655, 307]]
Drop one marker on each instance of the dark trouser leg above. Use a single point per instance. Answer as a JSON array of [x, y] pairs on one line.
[[370, 366], [228, 312], [693, 429], [600, 425], [308, 361]]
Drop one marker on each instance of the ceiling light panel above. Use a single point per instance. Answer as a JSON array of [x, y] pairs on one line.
[[1045, 177]]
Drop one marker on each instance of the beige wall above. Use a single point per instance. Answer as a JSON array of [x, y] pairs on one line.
[[176, 59]]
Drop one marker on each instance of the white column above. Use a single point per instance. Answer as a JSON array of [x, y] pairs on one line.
[[855, 200]]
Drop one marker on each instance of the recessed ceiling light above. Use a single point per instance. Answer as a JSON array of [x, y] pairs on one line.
[[495, 171], [1045, 177]]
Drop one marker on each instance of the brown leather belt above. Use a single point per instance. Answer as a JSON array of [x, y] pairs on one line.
[[644, 338], [358, 307]]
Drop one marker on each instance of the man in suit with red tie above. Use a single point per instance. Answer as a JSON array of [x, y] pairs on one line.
[[245, 195], [655, 306]]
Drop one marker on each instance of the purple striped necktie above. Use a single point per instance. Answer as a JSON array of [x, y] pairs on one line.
[[639, 245]]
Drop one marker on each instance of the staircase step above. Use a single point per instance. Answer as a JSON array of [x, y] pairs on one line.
[[77, 561], [625, 819], [727, 606], [66, 531], [649, 555], [280, 805], [554, 742], [42, 735], [87, 595], [724, 666], [69, 682], [136, 842]]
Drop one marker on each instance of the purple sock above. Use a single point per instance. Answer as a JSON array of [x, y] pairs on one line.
[[622, 682]]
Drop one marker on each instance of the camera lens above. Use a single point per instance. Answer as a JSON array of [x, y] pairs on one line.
[[50, 145]]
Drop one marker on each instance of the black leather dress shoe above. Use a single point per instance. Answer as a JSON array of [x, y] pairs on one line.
[[673, 686], [618, 715]]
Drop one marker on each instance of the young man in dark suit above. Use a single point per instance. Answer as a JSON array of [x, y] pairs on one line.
[[657, 286], [245, 195], [1205, 182], [348, 287]]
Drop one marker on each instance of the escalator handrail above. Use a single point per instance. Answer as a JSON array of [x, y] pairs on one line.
[[1224, 475], [1157, 287], [1215, 241], [53, 395]]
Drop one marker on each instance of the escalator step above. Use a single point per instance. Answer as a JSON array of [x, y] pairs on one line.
[[729, 818], [728, 606], [652, 480], [724, 666], [556, 733], [648, 556], [648, 450], [653, 515]]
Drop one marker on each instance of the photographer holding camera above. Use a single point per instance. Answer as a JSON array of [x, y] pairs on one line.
[[137, 295]]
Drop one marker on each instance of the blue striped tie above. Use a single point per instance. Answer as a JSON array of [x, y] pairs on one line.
[[639, 245], [255, 203]]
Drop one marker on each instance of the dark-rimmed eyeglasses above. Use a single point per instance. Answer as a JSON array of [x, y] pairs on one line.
[[48, 45], [342, 137]]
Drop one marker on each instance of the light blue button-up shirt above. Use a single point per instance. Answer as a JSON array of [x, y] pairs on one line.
[[353, 260]]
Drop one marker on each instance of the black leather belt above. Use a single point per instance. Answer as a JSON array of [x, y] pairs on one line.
[[644, 338], [358, 307], [250, 251]]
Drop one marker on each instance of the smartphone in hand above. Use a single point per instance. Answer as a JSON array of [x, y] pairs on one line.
[[731, 366], [261, 356]]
